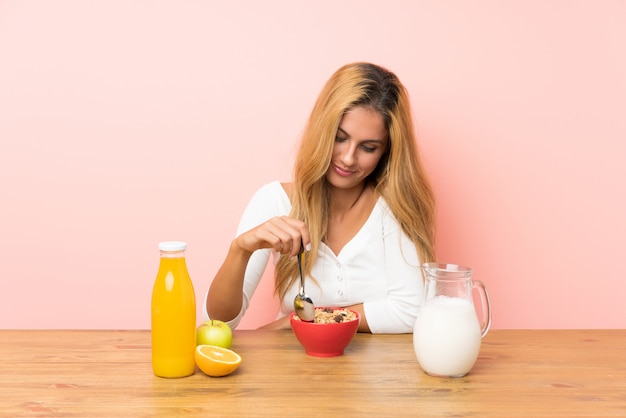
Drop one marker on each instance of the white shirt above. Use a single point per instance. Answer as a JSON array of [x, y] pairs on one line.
[[378, 267]]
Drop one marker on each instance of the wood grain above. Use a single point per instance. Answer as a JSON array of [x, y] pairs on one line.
[[520, 373]]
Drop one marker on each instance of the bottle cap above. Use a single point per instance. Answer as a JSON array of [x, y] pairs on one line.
[[172, 246]]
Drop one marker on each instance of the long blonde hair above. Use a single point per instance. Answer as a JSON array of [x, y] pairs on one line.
[[399, 177]]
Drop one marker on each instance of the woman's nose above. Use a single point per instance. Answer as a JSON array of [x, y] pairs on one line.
[[348, 155]]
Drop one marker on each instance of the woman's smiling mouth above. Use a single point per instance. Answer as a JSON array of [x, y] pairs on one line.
[[342, 172]]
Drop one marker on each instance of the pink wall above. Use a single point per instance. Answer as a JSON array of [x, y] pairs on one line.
[[125, 123]]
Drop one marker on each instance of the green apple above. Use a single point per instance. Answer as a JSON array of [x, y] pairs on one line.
[[214, 332]]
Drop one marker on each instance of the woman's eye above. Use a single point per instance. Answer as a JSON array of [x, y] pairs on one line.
[[340, 139], [368, 149]]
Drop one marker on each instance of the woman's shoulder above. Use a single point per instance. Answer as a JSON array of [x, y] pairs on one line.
[[381, 204], [274, 189], [384, 212], [272, 192], [268, 201]]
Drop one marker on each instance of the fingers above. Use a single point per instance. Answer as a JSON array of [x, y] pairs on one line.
[[282, 234], [288, 233]]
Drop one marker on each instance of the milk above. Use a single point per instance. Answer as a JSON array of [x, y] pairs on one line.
[[447, 336]]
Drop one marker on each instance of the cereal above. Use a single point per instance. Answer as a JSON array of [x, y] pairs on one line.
[[332, 315]]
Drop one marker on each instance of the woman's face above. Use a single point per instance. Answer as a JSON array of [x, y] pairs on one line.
[[360, 143]]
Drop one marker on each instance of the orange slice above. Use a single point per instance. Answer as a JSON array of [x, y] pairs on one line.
[[216, 361]]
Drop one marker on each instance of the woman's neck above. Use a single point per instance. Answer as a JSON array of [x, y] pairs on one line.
[[344, 200], [348, 212]]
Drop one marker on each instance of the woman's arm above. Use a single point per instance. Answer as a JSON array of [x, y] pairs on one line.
[[280, 234], [397, 311], [225, 295]]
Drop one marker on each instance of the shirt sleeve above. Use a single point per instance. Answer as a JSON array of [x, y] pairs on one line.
[[397, 311], [267, 202]]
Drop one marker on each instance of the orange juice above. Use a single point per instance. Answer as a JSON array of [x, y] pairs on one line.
[[173, 314]]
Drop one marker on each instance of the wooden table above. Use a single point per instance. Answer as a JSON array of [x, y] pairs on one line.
[[526, 373]]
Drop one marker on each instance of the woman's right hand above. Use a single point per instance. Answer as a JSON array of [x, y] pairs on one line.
[[282, 234]]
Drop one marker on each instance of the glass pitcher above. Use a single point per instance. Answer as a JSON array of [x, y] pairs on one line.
[[447, 334]]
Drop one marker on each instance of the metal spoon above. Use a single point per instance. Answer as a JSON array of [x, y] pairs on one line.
[[302, 303]]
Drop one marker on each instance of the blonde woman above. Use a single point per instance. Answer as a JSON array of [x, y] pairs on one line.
[[360, 203]]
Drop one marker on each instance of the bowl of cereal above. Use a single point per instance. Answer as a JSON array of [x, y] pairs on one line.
[[329, 334]]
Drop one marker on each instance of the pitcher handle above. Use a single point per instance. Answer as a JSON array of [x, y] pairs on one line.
[[485, 307]]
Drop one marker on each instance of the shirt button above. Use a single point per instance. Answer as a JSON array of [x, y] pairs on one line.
[[340, 293], [339, 278], [338, 265]]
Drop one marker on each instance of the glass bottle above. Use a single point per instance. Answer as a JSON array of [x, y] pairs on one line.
[[173, 314]]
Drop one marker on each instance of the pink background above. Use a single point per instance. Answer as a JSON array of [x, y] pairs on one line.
[[126, 123]]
